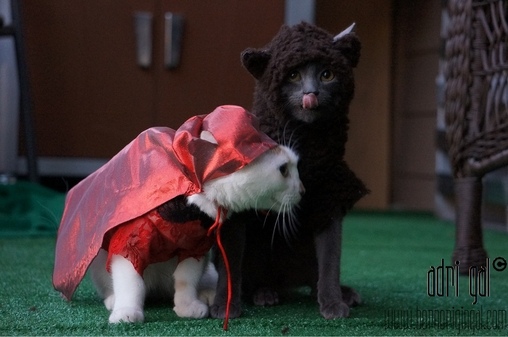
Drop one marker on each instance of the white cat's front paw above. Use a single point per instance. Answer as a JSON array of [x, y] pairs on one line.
[[109, 302], [195, 309], [128, 315]]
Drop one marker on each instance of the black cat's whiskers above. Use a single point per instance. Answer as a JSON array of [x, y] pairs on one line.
[[290, 143]]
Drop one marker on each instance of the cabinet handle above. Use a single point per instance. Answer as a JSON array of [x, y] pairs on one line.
[[173, 34], [143, 26]]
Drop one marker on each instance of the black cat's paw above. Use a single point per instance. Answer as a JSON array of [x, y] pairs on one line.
[[265, 297], [333, 310], [219, 311], [350, 296]]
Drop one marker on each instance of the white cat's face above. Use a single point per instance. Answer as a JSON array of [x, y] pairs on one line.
[[270, 182]]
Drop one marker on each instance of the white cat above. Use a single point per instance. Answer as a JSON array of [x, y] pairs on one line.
[[270, 182]]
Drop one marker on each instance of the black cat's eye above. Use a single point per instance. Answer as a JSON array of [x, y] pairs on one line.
[[284, 170], [294, 76], [327, 76]]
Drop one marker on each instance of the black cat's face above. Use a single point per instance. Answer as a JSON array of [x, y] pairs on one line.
[[309, 92]]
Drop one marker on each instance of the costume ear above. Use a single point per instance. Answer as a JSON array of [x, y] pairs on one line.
[[255, 61], [346, 31], [207, 135], [349, 44]]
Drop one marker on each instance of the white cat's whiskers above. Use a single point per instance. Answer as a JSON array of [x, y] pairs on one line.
[[293, 223], [291, 226], [268, 214], [288, 227], [286, 224], [276, 225]]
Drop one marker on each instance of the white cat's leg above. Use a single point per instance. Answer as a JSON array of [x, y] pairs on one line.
[[187, 276], [208, 284], [101, 278], [129, 289]]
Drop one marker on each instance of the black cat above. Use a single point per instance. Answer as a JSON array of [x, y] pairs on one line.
[[304, 85]]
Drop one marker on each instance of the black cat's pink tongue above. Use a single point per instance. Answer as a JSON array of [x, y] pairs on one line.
[[310, 101]]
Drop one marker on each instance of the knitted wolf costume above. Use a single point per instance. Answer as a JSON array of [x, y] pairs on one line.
[[312, 257]]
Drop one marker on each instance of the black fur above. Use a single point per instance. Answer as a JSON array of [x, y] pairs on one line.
[[177, 210], [313, 258]]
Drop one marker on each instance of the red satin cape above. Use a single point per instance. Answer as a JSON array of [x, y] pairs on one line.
[[155, 167]]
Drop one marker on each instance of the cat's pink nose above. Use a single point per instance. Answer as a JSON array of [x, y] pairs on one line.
[[310, 101]]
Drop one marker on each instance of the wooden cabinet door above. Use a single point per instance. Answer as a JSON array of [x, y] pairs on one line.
[[90, 96], [210, 73]]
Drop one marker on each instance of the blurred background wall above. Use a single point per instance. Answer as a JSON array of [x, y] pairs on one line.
[[91, 95]]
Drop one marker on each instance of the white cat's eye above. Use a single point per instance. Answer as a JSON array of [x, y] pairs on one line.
[[294, 76], [327, 76], [284, 170]]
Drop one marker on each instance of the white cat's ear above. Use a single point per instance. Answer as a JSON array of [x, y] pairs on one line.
[[207, 135], [345, 32]]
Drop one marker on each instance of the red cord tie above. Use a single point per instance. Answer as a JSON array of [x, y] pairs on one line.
[[217, 225]]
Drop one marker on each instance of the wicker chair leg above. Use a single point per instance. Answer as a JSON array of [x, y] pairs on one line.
[[468, 231]]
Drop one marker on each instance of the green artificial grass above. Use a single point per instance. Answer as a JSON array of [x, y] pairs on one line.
[[386, 257]]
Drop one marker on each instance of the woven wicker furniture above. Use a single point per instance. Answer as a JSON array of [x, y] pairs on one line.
[[476, 110]]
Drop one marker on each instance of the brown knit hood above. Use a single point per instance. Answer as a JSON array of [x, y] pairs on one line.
[[293, 47]]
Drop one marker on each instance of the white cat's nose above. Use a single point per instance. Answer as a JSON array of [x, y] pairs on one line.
[[302, 189]]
